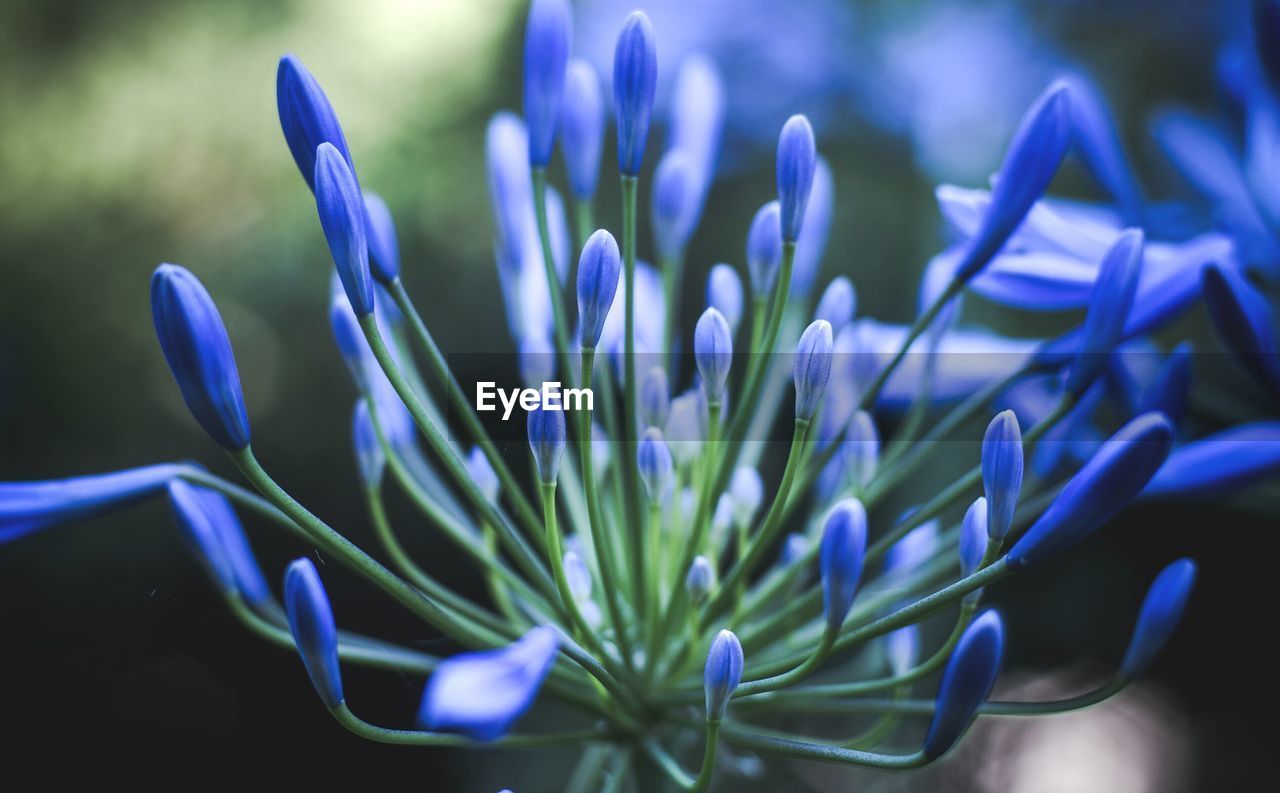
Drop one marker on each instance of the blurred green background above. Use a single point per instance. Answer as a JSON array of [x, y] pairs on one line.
[[133, 133]]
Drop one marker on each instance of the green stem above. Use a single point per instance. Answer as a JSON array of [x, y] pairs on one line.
[[553, 279], [584, 215], [789, 678], [421, 738], [630, 413]]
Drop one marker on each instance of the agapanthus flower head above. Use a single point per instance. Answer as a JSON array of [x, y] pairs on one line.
[[840, 558], [1001, 472], [306, 116], [655, 397], [342, 216], [547, 435], [1109, 308], [902, 648], [722, 674], [384, 245], [548, 31], [1169, 391], [30, 506], [797, 156], [1162, 609], [635, 78], [1116, 473], [838, 303], [764, 249], [598, 270], [371, 460], [482, 694], [713, 353], [973, 536], [653, 460], [311, 621], [1244, 322], [700, 579], [746, 490], [674, 213], [812, 243], [212, 532], [196, 347], [724, 293], [812, 368], [966, 682], [582, 127], [482, 473], [1033, 156]]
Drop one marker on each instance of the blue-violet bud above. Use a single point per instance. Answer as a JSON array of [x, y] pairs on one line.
[[582, 128], [314, 632], [840, 557], [838, 303], [306, 117], [812, 368], [966, 682], [1109, 305], [1001, 472], [764, 249], [653, 460], [674, 210], [973, 536], [384, 245], [746, 489], [700, 579], [796, 160], [1244, 322], [371, 460], [195, 505], [1161, 611], [722, 674], [547, 440], [482, 474], [546, 57], [1170, 389], [655, 397], [724, 294], [635, 76], [342, 211], [598, 270], [713, 353]]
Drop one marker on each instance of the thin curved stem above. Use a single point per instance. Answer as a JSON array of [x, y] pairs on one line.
[[377, 734]]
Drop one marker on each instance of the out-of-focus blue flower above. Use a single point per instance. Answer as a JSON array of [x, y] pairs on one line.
[[547, 441], [306, 117], [817, 228], [700, 579], [314, 632], [713, 352], [653, 461], [722, 673], [902, 648], [1098, 144], [840, 557], [684, 429], [724, 293], [796, 161], [973, 536], [764, 249], [1161, 611], [582, 128], [510, 185], [675, 209], [30, 506], [1001, 472], [913, 550], [342, 216], [196, 347], [598, 270], [578, 576], [649, 321], [547, 33], [393, 417], [635, 76], [384, 245], [1109, 307], [695, 121], [812, 368], [655, 397], [1220, 463], [1119, 470], [352, 345], [794, 548], [1266, 38], [1245, 323], [212, 532], [482, 473], [370, 459], [837, 304], [1167, 388], [862, 448], [558, 231], [966, 682], [482, 694], [1029, 165], [746, 490], [537, 360]]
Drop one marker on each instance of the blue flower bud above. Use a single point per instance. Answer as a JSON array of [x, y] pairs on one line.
[[1098, 142], [695, 119], [306, 117], [724, 294], [393, 417], [314, 632], [1169, 392], [862, 448], [598, 269], [973, 536], [794, 549], [577, 576], [341, 211], [812, 368], [510, 187], [370, 459], [684, 428], [746, 490], [838, 303], [196, 347], [713, 353], [30, 506], [211, 531], [655, 397], [902, 648], [722, 674], [1244, 322], [1220, 463], [482, 694], [653, 459], [547, 440], [913, 550], [384, 245], [635, 76], [1001, 472], [1118, 471], [966, 682], [840, 557], [1032, 159], [674, 212], [817, 228], [546, 56], [537, 360], [582, 128], [1161, 611], [1109, 306], [351, 342], [700, 579], [482, 474], [558, 231], [796, 160], [764, 249]]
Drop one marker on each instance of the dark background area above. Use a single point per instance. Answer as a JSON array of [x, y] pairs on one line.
[[138, 132]]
